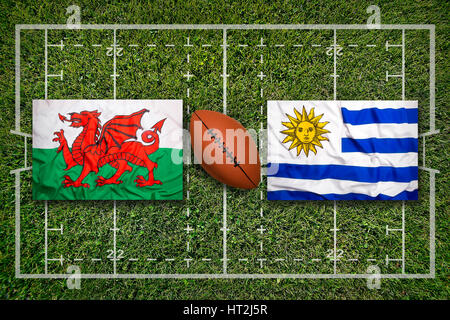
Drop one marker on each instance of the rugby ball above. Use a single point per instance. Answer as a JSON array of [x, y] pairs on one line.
[[225, 149]]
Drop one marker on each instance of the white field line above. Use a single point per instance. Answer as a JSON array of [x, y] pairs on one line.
[[403, 202], [46, 237], [46, 62], [224, 27], [226, 276], [225, 259]]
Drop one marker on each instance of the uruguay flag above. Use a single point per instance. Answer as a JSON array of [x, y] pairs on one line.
[[342, 150]]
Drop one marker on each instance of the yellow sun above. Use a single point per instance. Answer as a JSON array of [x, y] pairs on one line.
[[305, 131]]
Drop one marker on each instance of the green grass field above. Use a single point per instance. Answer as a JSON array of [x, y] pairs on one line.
[[156, 229]]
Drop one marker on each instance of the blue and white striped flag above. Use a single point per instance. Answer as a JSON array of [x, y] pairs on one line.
[[342, 150]]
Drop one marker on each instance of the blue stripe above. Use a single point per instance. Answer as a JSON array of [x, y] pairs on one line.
[[304, 195], [342, 172], [375, 115], [380, 145]]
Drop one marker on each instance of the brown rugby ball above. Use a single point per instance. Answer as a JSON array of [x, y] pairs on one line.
[[225, 149]]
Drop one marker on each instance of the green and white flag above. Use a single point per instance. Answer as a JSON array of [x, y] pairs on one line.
[[107, 150]]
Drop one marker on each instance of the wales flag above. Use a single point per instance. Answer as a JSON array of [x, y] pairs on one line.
[[107, 150]]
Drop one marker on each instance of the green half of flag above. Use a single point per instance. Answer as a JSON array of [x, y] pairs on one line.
[[48, 175]]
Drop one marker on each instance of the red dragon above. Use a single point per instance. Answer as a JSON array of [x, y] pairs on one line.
[[115, 144]]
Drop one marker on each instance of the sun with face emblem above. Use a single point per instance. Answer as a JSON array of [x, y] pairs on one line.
[[304, 131]]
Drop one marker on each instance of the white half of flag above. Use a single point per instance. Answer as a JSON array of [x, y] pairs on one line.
[[342, 150]]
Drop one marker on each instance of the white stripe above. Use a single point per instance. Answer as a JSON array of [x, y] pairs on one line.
[[381, 130], [326, 186], [46, 120], [349, 158], [380, 104]]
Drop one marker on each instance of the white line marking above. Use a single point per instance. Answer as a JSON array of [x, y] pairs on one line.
[[23, 134], [60, 260], [188, 75], [227, 26], [226, 276], [261, 44], [432, 79], [46, 237], [261, 261], [187, 43], [334, 237], [261, 75], [334, 64], [391, 45], [423, 152], [403, 64], [45, 63], [56, 75], [224, 72], [432, 224], [392, 75], [432, 171], [60, 45], [429, 169], [403, 236], [261, 229], [20, 170], [25, 150], [114, 65], [114, 239]]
